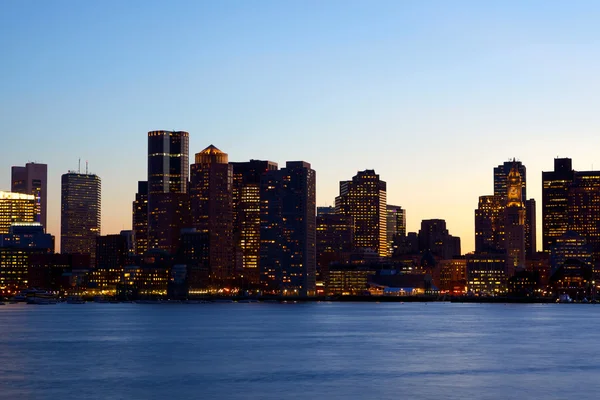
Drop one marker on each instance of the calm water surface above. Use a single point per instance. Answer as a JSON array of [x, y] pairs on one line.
[[300, 351]]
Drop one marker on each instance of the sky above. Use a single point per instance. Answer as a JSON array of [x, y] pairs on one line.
[[430, 94]]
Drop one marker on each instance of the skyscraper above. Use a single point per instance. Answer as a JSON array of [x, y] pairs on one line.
[[168, 201], [583, 208], [288, 231], [396, 225], [16, 207], [489, 224], [555, 201], [501, 173], [32, 179], [246, 216], [140, 219], [80, 213], [514, 226], [364, 199], [212, 208], [530, 228]]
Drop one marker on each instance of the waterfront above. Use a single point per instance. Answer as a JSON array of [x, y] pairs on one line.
[[304, 350]]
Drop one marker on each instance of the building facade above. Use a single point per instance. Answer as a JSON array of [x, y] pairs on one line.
[[211, 205], [555, 201], [364, 199], [168, 175], [33, 179], [246, 216], [139, 221], [288, 231], [80, 213], [16, 207]]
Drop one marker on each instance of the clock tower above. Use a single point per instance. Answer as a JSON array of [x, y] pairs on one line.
[[514, 188], [514, 222]]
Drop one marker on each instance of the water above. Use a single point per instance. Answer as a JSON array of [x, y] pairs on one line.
[[299, 351]]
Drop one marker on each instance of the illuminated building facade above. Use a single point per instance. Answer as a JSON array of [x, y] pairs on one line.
[[486, 273], [573, 278], [364, 199], [514, 222], [325, 210], [334, 241], [168, 175], [16, 207], [489, 225], [501, 173], [211, 205], [348, 280], [571, 246], [584, 209], [32, 179], [288, 232], [16, 247], [555, 201], [396, 226], [140, 219], [453, 276], [80, 213], [111, 253], [246, 216], [435, 238], [149, 279], [501, 188]]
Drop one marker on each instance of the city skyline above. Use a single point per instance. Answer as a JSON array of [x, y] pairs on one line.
[[431, 96]]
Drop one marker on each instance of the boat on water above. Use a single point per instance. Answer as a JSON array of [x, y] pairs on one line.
[[34, 296], [564, 298]]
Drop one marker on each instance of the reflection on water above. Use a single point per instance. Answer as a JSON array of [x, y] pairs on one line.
[[300, 351]]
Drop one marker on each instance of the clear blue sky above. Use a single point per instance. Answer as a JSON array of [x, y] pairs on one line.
[[430, 94]]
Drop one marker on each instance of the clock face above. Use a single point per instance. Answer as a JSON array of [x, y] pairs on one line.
[[513, 192]]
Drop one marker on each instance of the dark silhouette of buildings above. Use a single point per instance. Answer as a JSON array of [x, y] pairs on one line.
[[80, 213], [33, 179], [435, 238], [288, 233], [140, 218], [168, 201], [194, 252], [530, 228], [364, 199]]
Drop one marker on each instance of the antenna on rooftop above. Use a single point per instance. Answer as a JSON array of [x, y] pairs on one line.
[[79, 166], [86, 167]]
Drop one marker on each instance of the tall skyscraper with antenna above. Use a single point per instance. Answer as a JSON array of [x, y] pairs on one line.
[[80, 212]]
